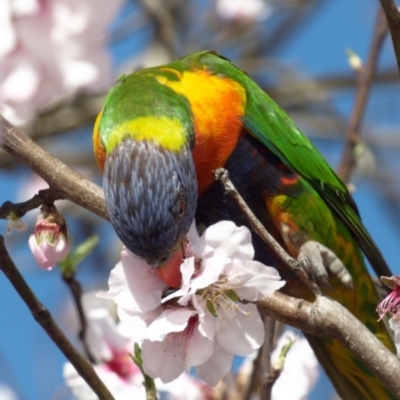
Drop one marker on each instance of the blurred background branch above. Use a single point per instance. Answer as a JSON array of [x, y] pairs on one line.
[[392, 14], [364, 80]]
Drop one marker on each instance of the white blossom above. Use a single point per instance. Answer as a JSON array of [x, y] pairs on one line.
[[204, 323]]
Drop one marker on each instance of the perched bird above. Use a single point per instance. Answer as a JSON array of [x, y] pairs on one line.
[[161, 134]]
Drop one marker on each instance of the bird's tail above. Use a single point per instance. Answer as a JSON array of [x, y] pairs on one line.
[[352, 380]]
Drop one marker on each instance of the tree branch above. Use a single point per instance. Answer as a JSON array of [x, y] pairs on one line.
[[326, 317], [76, 292], [69, 184], [221, 174], [365, 76], [323, 317], [266, 379], [392, 14], [20, 209], [44, 318]]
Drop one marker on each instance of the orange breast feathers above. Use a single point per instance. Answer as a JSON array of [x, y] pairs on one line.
[[218, 105]]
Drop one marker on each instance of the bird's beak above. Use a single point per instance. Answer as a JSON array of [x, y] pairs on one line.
[[170, 272]]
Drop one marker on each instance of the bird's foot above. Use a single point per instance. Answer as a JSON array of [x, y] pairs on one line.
[[317, 260]]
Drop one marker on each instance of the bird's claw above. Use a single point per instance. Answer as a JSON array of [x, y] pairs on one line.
[[317, 260]]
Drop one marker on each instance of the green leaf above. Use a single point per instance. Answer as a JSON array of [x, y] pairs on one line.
[[85, 248], [283, 353], [150, 386], [211, 308], [68, 266], [231, 294]]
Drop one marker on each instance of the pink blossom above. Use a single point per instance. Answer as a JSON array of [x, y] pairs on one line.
[[110, 344], [203, 324], [390, 304], [175, 343], [238, 10], [49, 242], [51, 49]]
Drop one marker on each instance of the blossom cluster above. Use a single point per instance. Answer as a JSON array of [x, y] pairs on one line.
[[205, 322], [390, 304], [51, 49]]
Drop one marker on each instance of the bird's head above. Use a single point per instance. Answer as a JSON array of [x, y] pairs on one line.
[[142, 141], [151, 196]]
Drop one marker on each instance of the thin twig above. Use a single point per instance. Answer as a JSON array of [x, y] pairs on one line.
[[69, 184], [267, 381], [365, 76], [76, 291], [252, 384], [44, 318], [393, 18], [221, 174], [45, 196]]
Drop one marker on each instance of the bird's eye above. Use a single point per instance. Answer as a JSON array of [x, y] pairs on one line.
[[181, 208]]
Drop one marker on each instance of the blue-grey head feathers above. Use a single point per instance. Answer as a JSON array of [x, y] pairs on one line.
[[151, 197]]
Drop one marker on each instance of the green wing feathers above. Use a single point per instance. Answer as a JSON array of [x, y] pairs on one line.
[[324, 212], [266, 121]]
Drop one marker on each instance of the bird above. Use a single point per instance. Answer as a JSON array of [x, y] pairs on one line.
[[160, 135]]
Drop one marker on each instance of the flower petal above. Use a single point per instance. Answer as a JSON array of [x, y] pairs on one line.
[[171, 320], [120, 293], [216, 367], [47, 255], [174, 337], [195, 243], [257, 281], [242, 334], [144, 284], [136, 323], [210, 271], [199, 348], [164, 360], [225, 239], [116, 283], [206, 320]]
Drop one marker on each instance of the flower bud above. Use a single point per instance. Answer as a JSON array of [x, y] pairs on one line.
[[49, 242]]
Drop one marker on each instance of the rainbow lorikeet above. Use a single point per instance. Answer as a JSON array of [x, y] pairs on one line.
[[161, 134]]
